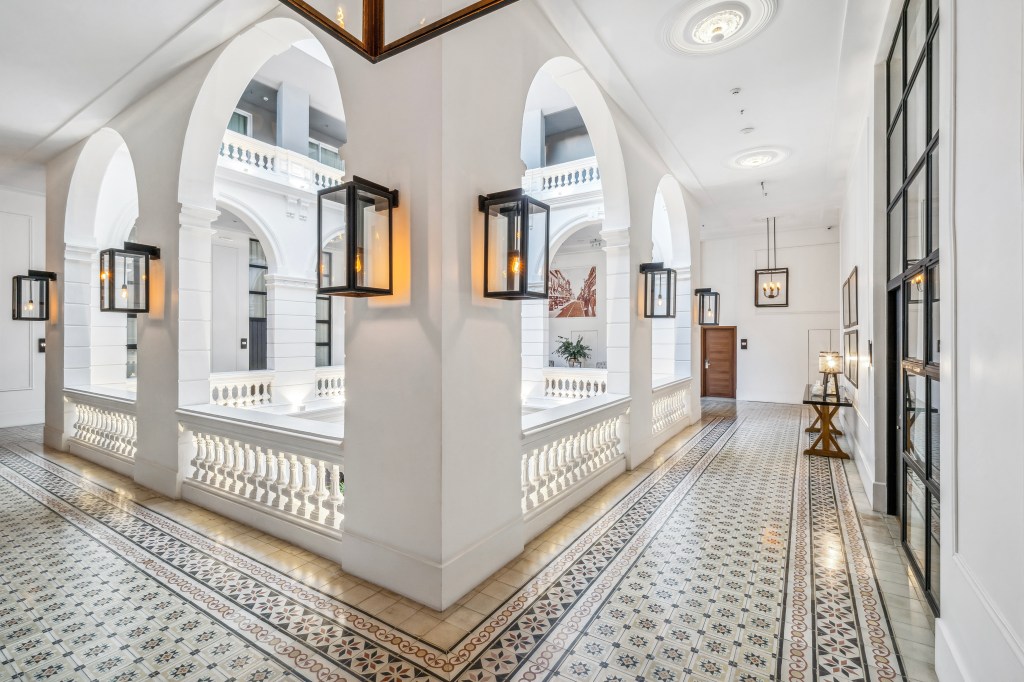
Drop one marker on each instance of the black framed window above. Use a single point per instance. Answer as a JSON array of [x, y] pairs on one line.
[[323, 331], [257, 306], [912, 143], [132, 345]]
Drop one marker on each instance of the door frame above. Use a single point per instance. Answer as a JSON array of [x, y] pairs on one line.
[[704, 357]]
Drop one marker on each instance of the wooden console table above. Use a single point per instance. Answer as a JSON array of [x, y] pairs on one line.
[[826, 407]]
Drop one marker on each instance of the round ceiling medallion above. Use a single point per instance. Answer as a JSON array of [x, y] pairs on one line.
[[759, 158], [708, 26]]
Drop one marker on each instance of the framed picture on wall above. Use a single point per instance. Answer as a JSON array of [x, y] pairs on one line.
[[851, 367], [850, 301]]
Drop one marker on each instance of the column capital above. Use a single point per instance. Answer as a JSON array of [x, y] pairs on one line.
[[683, 272], [197, 217], [287, 281], [615, 238], [80, 252]]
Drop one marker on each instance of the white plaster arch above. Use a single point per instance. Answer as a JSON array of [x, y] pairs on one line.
[[671, 232], [259, 228], [571, 227], [87, 185]]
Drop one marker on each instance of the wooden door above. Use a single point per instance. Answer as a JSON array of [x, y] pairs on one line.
[[718, 362]]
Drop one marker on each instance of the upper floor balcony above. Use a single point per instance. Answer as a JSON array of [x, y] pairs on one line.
[[565, 182], [263, 160]]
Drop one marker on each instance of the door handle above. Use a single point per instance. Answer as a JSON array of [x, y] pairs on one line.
[[707, 364]]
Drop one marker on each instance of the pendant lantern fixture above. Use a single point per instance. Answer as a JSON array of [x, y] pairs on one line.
[[771, 285]]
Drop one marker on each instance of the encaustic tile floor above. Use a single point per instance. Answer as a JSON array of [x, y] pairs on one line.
[[728, 557]]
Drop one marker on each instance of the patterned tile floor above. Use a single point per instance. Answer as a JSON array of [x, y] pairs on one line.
[[728, 556]]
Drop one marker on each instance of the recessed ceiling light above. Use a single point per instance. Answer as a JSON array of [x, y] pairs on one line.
[[759, 158], [705, 26]]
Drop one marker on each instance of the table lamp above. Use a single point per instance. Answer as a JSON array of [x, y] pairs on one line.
[[830, 364]]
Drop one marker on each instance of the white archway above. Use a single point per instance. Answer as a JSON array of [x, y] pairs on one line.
[[671, 337]]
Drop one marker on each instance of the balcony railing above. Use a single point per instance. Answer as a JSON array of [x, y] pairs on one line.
[[287, 470], [241, 389], [568, 453], [249, 155], [671, 404], [563, 180], [330, 383], [574, 383], [103, 426]]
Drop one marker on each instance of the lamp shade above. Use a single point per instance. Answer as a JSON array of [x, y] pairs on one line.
[[124, 278], [830, 362], [659, 290], [516, 258], [31, 296], [354, 234]]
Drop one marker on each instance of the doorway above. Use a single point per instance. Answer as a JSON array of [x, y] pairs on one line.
[[718, 362]]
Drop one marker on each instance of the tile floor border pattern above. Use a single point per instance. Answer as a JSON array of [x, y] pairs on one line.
[[703, 440]]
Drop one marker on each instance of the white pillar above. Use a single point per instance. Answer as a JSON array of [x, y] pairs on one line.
[[80, 261], [683, 321], [108, 354], [195, 304], [293, 118], [291, 337], [620, 312], [535, 347]]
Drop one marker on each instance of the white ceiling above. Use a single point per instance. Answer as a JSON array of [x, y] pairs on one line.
[[69, 66], [802, 85]]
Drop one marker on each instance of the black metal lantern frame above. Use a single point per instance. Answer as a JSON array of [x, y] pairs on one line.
[[124, 278], [659, 290], [355, 226], [516, 254], [30, 300], [771, 284], [708, 307]]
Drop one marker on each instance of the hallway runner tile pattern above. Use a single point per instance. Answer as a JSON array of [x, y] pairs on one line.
[[738, 559]]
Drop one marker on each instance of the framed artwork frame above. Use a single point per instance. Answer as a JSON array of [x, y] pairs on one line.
[[850, 312], [765, 277], [851, 359]]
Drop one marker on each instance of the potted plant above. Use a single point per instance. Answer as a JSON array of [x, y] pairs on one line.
[[574, 352]]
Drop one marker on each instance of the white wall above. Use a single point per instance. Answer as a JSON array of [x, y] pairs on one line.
[[595, 329], [774, 367], [230, 323], [22, 368]]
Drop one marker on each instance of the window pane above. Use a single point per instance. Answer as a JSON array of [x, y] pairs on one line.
[[131, 369], [934, 62], [917, 29], [330, 158], [914, 316], [323, 356], [933, 197], [917, 119], [917, 216], [933, 417], [896, 240], [372, 263], [323, 309], [257, 279], [896, 75], [239, 123], [935, 346], [334, 233], [314, 151], [504, 241], [913, 517], [537, 277], [896, 173], [914, 396], [323, 332], [256, 254], [133, 330], [257, 306], [934, 553]]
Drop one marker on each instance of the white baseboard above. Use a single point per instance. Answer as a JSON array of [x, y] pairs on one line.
[[21, 418], [946, 657]]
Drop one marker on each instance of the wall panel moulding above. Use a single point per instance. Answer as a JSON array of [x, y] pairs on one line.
[[378, 29]]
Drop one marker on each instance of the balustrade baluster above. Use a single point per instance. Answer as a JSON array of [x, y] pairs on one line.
[[320, 491], [295, 484], [337, 498]]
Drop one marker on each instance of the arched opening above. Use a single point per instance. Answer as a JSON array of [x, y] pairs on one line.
[[267, 131], [671, 337], [574, 163], [102, 210]]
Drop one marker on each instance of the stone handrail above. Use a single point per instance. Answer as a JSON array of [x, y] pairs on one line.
[[563, 179], [250, 155], [330, 383], [565, 446], [288, 467], [671, 404], [103, 420], [241, 389], [574, 383]]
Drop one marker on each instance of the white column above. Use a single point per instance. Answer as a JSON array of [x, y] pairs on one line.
[[683, 321], [291, 337], [620, 311], [80, 262], [293, 118], [195, 304], [108, 338], [535, 347]]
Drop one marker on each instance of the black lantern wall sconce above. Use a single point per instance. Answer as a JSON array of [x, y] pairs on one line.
[[708, 306], [124, 278], [354, 233], [516, 258], [659, 290], [31, 296]]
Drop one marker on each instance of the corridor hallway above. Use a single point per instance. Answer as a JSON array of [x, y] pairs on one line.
[[728, 556]]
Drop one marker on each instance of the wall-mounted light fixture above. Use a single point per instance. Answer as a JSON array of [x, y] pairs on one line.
[[31, 296], [124, 278], [659, 290], [708, 306], [354, 233], [516, 258]]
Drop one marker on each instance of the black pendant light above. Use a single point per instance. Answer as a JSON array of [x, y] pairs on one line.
[[771, 285]]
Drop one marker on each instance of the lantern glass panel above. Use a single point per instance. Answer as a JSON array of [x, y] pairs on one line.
[[31, 296], [372, 262], [347, 15], [123, 285], [537, 242], [504, 247], [334, 258]]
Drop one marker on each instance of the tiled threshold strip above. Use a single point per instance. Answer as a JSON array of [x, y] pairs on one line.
[[722, 618]]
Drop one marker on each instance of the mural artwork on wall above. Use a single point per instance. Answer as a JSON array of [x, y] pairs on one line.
[[572, 292]]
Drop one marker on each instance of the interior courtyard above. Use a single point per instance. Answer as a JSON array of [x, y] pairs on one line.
[[507, 340]]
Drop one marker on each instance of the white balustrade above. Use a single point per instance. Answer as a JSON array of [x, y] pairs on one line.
[[242, 389], [275, 464], [563, 179], [565, 447], [330, 383], [103, 422], [574, 383], [250, 155], [671, 404]]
